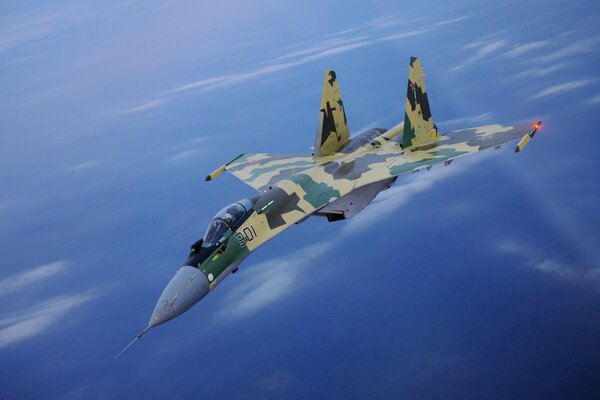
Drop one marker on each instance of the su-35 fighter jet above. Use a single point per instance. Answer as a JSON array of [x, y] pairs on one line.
[[340, 178]]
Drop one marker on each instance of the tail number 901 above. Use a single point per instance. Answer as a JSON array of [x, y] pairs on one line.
[[247, 234]]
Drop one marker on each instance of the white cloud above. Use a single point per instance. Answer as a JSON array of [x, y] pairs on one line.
[[550, 202], [182, 155], [201, 139], [593, 100], [474, 45], [85, 165], [484, 40], [25, 279], [149, 105], [474, 119], [488, 49], [541, 71], [273, 67], [578, 47], [24, 28], [562, 87], [338, 43], [271, 280], [321, 46], [522, 49], [542, 262], [278, 382], [25, 324], [484, 51], [451, 20], [228, 80], [21, 29], [404, 35]]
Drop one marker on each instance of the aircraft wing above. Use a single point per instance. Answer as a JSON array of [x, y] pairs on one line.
[[460, 143], [388, 159], [260, 170]]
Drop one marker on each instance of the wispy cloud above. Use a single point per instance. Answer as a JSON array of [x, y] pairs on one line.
[[582, 46], [278, 382], [523, 49], [553, 266], [483, 52], [182, 155], [33, 276], [229, 80], [452, 20], [17, 30], [338, 43], [562, 87], [556, 49], [242, 77], [487, 49], [550, 204], [375, 26], [541, 71], [593, 100], [474, 119], [25, 28], [484, 40], [85, 165], [149, 105], [333, 42], [272, 280], [404, 35], [25, 324], [201, 139]]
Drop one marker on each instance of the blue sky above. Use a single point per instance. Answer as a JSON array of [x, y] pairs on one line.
[[477, 280]]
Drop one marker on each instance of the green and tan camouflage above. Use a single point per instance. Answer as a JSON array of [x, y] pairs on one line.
[[342, 176], [419, 129], [332, 126]]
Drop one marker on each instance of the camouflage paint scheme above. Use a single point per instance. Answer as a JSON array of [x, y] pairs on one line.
[[294, 187], [340, 178]]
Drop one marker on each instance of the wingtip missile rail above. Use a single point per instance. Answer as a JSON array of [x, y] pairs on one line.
[[215, 173], [523, 142]]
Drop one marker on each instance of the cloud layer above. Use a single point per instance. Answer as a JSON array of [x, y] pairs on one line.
[[25, 279], [551, 265], [24, 324], [369, 33], [271, 280], [562, 87]]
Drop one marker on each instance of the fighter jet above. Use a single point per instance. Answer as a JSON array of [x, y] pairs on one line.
[[341, 177]]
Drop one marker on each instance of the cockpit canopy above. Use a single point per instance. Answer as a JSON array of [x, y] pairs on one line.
[[229, 217]]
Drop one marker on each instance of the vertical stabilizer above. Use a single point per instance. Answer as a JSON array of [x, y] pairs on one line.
[[332, 128], [419, 129]]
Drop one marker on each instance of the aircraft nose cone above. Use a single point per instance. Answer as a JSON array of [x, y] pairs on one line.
[[185, 289]]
